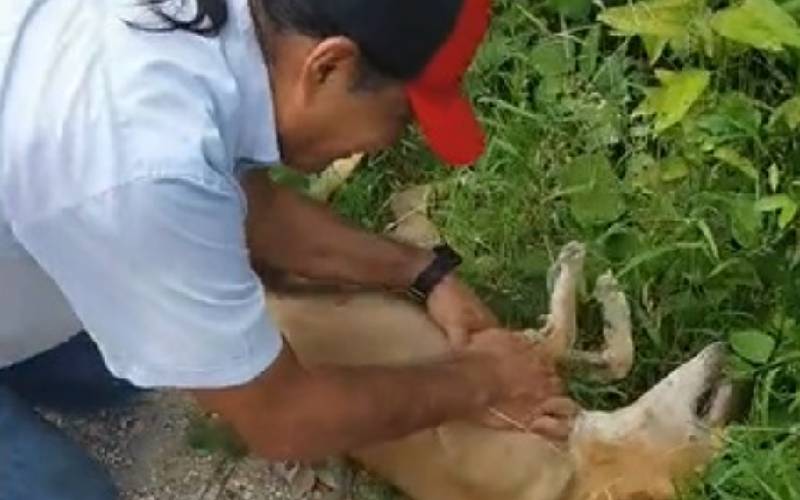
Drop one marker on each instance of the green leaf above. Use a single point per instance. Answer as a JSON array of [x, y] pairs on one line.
[[590, 52], [553, 58], [733, 115], [641, 171], [602, 123], [658, 23], [774, 177], [789, 113], [678, 92], [729, 119], [759, 23], [654, 45], [551, 90], [746, 222], [709, 236], [573, 9], [594, 190], [781, 203], [612, 78], [621, 245], [660, 18], [753, 345], [730, 157], [656, 253], [673, 169]]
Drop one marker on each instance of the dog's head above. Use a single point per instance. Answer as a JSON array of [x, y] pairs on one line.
[[670, 434]]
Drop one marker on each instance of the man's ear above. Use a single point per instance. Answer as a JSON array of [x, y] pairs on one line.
[[333, 60]]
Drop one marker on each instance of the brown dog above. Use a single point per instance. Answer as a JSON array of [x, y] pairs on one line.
[[636, 453]]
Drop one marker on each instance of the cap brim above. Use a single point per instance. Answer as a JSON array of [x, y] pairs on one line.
[[449, 125]]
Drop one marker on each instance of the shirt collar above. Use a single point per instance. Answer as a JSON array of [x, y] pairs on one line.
[[258, 140]]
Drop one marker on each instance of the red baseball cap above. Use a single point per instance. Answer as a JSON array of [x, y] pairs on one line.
[[444, 113], [429, 44]]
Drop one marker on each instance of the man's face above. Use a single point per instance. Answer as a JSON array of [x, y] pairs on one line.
[[326, 109]]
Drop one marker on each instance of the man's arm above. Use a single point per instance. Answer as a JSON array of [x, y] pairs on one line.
[[293, 233], [290, 412], [290, 232]]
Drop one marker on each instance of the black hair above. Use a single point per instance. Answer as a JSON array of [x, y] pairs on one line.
[[209, 18], [295, 16]]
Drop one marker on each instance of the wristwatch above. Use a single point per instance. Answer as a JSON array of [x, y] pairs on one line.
[[444, 262]]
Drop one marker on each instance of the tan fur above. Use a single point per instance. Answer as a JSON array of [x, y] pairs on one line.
[[443, 464], [633, 454], [634, 469], [463, 462]]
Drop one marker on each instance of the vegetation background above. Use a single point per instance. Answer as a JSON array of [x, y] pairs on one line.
[[664, 134]]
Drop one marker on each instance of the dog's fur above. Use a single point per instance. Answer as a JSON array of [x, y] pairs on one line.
[[637, 453]]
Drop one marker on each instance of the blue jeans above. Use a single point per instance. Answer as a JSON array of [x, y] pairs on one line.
[[37, 461]]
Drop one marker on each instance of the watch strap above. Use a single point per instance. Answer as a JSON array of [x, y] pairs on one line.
[[444, 262]]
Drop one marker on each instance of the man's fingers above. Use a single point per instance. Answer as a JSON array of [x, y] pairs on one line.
[[554, 418], [552, 386], [557, 429], [562, 408], [457, 336]]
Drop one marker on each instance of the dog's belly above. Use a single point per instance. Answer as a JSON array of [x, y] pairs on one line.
[[462, 462]]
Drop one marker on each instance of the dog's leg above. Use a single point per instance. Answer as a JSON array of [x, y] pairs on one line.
[[561, 324], [615, 361]]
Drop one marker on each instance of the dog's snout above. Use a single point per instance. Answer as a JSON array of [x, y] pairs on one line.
[[715, 354], [691, 386]]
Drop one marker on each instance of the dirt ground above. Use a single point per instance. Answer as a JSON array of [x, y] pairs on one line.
[[146, 449]]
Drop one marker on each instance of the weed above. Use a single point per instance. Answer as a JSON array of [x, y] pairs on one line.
[[664, 135]]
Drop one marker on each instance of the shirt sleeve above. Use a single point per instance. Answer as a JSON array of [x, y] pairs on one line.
[[158, 272]]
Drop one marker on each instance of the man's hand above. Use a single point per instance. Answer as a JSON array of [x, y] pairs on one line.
[[533, 393], [552, 419], [523, 368], [458, 311], [291, 233]]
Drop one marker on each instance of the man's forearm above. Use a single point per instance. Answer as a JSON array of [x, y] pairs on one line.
[[292, 233], [334, 410]]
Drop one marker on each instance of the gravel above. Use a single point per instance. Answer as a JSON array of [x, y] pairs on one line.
[[145, 449]]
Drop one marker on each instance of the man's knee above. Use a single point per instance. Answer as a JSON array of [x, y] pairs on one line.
[[71, 377], [41, 463]]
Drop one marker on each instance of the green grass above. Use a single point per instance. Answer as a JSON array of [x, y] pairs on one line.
[[675, 214]]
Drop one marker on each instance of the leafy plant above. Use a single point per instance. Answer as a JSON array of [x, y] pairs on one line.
[[670, 102], [758, 23], [663, 133]]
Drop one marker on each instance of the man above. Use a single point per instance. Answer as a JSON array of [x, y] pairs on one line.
[[132, 207]]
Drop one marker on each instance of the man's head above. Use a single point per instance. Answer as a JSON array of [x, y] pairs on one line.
[[349, 75]]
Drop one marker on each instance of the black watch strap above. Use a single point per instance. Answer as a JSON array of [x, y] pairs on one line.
[[444, 262]]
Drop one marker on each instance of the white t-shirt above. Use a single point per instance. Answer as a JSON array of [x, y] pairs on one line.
[[120, 209]]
